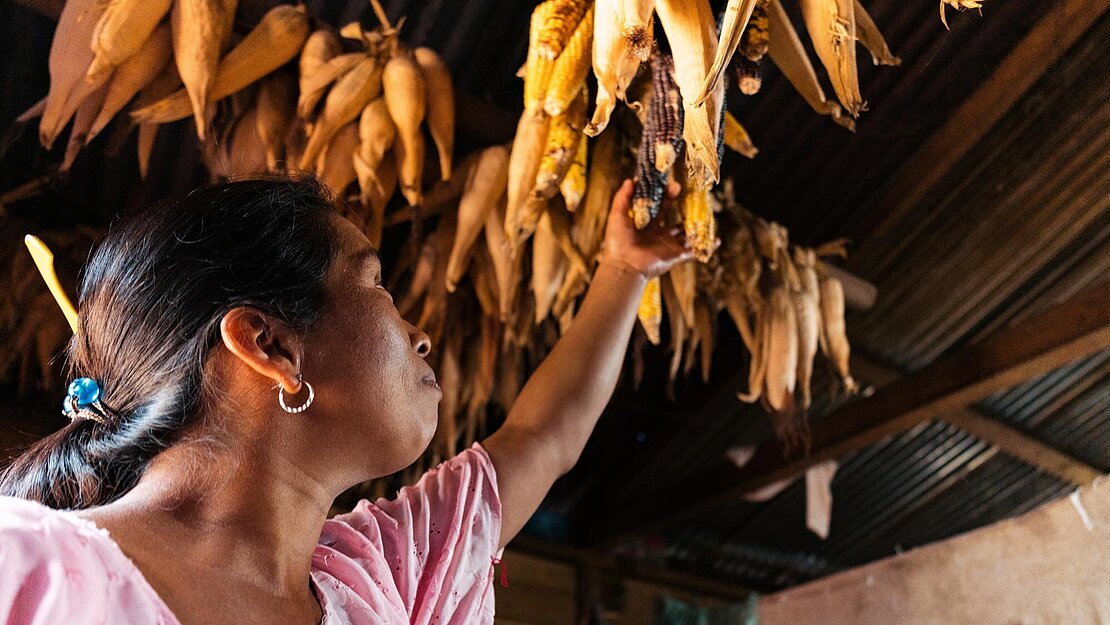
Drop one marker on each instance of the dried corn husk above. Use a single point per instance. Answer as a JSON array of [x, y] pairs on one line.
[[808, 308], [70, 56], [737, 13], [524, 162], [82, 121], [573, 186], [548, 266], [692, 31], [737, 139], [832, 29], [789, 55], [485, 186], [199, 30], [614, 63], [336, 166], [868, 34], [132, 75], [376, 136], [122, 31], [834, 337]]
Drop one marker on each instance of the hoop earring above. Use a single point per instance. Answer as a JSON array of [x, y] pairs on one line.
[[311, 396]]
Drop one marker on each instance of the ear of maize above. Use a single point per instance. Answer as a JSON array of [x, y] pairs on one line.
[[563, 138], [699, 222], [439, 98], [132, 75], [650, 311], [568, 76], [737, 139], [868, 34], [344, 103], [737, 13], [573, 186]]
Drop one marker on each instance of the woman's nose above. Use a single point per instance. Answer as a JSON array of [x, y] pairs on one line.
[[420, 342]]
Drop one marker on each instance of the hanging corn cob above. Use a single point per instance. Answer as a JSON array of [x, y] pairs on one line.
[[667, 112], [614, 62], [573, 186], [832, 29], [568, 77], [737, 13], [563, 138], [439, 97], [650, 311], [737, 139]]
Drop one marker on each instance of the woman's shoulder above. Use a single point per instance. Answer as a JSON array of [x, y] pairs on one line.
[[58, 567]]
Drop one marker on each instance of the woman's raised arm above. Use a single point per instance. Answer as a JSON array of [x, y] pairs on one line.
[[549, 424]]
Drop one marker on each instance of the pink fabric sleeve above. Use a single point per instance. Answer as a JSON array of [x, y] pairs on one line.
[[440, 536]]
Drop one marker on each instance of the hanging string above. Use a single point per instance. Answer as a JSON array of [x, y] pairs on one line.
[[504, 570]]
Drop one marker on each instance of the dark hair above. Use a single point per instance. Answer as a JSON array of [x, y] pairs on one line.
[[150, 302]]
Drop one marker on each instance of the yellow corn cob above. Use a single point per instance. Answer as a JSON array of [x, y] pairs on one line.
[[650, 312], [569, 73], [753, 45], [573, 186], [524, 162], [737, 139], [699, 222], [538, 68], [559, 26], [562, 145], [277, 39]]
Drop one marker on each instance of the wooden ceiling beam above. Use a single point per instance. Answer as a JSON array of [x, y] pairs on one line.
[[1065, 332], [1045, 44]]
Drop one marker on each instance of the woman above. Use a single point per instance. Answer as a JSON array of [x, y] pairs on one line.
[[247, 367]]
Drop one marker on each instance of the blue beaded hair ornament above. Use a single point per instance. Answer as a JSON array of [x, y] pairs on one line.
[[83, 401]]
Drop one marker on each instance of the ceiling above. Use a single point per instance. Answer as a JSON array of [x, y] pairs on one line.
[[974, 199]]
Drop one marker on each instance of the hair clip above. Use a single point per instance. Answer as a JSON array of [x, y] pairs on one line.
[[83, 401]]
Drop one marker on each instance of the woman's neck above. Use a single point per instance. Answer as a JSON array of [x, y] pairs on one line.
[[252, 515]]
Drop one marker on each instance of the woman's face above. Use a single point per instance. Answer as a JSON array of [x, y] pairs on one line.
[[367, 366]]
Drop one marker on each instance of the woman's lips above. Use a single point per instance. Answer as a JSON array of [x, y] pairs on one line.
[[430, 380]]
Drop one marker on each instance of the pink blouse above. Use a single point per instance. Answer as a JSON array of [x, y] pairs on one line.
[[425, 557]]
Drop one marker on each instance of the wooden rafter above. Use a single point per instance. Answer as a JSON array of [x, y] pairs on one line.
[[1066, 332]]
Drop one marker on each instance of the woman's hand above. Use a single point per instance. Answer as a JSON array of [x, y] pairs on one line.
[[651, 251]]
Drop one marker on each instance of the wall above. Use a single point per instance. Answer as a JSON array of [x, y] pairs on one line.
[[1049, 566]]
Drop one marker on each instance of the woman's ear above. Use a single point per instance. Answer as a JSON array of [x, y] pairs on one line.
[[265, 344]]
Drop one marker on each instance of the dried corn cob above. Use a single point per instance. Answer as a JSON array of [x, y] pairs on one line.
[[790, 57], [868, 34], [336, 166], [561, 228], [692, 31], [573, 186], [483, 190], [122, 30], [650, 311], [677, 323], [549, 265], [749, 76], [538, 67], [344, 103], [440, 102], [320, 47], [275, 112], [832, 29], [808, 308], [558, 27], [70, 56], [522, 211], [757, 36], [405, 91], [82, 121], [315, 85], [737, 139], [782, 350], [563, 138], [376, 136], [132, 75], [199, 30], [733, 26], [666, 108], [272, 43], [834, 338], [647, 193], [699, 222], [569, 73]]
